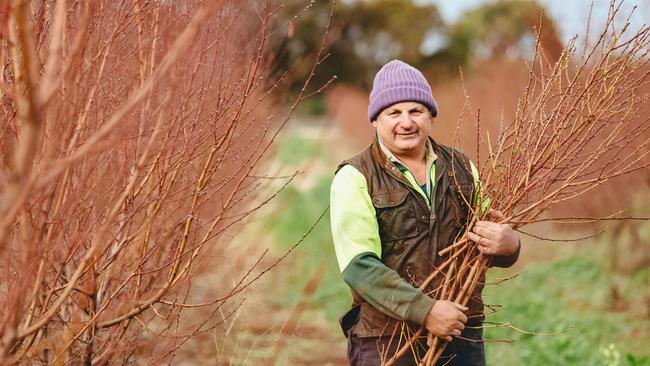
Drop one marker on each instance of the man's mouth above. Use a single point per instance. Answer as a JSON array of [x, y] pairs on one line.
[[407, 134]]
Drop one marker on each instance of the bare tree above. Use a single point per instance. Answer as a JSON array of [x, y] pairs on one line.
[[132, 136]]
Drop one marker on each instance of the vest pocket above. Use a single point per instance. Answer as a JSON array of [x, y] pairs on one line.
[[396, 215]]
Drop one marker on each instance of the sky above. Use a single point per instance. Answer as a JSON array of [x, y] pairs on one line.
[[570, 15]]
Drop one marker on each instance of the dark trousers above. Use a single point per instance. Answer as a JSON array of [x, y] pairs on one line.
[[367, 351]]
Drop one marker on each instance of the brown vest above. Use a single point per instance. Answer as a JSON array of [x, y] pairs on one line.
[[412, 234]]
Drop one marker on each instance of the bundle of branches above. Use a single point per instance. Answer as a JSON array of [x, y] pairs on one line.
[[131, 136], [577, 126]]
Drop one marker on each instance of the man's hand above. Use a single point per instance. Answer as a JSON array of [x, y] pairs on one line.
[[493, 238], [446, 319]]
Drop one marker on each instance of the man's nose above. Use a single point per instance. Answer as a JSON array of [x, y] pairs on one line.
[[406, 121]]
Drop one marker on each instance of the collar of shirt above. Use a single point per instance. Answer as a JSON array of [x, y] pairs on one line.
[[430, 160]]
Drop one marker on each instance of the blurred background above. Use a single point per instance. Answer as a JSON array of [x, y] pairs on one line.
[[584, 302]]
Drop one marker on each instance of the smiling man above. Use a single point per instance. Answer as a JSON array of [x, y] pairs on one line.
[[394, 206]]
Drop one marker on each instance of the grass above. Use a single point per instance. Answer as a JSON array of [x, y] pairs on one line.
[[567, 302]]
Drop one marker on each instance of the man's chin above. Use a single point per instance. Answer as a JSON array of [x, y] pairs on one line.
[[408, 144], [407, 147]]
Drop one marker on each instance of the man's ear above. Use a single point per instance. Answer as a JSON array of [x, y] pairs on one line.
[[374, 123]]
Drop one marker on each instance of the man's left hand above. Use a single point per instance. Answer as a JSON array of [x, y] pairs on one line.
[[494, 239]]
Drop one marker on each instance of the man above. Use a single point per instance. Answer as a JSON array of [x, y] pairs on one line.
[[394, 206]]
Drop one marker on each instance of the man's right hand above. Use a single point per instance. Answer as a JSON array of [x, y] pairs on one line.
[[446, 319]]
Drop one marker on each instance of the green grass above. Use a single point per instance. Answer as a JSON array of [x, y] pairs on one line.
[[567, 301]]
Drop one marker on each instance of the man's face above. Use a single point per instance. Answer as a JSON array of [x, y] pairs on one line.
[[404, 127]]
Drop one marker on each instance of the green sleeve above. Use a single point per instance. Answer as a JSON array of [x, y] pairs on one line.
[[386, 290], [355, 234]]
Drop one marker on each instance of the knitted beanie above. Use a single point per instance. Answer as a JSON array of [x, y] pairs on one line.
[[397, 82]]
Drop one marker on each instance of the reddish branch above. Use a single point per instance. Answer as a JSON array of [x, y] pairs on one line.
[[134, 135]]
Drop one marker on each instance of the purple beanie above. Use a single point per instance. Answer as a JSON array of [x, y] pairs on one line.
[[397, 82]]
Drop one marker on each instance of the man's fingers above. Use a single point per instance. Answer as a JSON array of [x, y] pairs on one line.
[[484, 244], [492, 226], [473, 237], [463, 318], [459, 306], [447, 338], [489, 247], [483, 231], [487, 225], [460, 326]]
